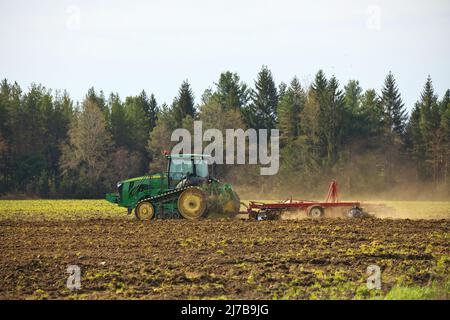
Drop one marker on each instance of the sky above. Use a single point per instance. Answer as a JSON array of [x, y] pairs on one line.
[[127, 46]]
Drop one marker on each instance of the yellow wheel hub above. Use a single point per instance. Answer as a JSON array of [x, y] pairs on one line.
[[145, 211], [192, 203]]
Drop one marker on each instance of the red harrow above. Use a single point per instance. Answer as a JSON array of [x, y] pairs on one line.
[[332, 207]]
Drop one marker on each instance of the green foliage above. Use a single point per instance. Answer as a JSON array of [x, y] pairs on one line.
[[88, 152], [394, 111], [290, 106], [159, 140], [434, 292], [53, 147], [428, 136], [119, 124], [183, 105], [230, 92], [261, 113]]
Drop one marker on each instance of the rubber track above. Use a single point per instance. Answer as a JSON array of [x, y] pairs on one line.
[[167, 194]]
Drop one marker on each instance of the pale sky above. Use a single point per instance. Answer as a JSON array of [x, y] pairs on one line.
[[127, 46]]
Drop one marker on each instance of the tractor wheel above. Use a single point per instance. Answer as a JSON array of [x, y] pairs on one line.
[[192, 203], [144, 211], [315, 212]]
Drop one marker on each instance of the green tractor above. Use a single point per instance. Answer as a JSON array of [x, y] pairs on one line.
[[187, 190]]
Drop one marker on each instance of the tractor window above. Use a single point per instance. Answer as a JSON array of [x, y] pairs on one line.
[[201, 166], [180, 168]]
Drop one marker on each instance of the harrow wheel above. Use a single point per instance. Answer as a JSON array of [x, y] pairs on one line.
[[192, 203], [144, 211], [315, 212]]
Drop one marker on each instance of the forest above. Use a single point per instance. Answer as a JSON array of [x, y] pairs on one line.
[[54, 147]]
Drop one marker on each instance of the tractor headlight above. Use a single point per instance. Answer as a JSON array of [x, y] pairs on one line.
[[118, 185]]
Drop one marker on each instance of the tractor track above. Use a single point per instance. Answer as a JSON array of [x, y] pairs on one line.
[[167, 195], [180, 259]]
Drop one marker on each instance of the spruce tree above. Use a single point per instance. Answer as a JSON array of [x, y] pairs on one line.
[[394, 110], [371, 114], [262, 111], [231, 92], [119, 125], [330, 103], [152, 111], [352, 96], [429, 112], [444, 108], [353, 127], [289, 109], [138, 124], [184, 103], [333, 116], [415, 141]]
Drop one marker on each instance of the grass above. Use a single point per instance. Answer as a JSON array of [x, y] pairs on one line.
[[433, 292], [35, 210], [44, 210]]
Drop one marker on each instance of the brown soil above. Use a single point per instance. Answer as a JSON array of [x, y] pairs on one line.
[[181, 259]]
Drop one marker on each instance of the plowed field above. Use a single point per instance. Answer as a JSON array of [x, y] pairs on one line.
[[219, 258]]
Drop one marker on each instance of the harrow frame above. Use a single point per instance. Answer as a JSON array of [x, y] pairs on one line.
[[270, 211]]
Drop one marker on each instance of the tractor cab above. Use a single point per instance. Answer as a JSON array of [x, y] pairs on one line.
[[184, 169]]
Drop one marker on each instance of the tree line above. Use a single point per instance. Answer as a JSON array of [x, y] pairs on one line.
[[54, 147]]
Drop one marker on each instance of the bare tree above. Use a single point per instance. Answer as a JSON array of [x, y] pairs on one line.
[[90, 145]]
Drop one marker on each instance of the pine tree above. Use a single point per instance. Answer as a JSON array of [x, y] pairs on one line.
[[150, 108], [138, 124], [119, 124], [289, 109], [371, 114], [152, 111], [5, 92], [429, 127], [57, 115], [415, 141], [333, 131], [231, 92], [394, 122], [183, 104], [319, 87], [444, 108], [330, 103], [353, 127], [281, 90], [394, 112], [4, 101], [429, 112], [12, 100], [352, 96], [262, 111]]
